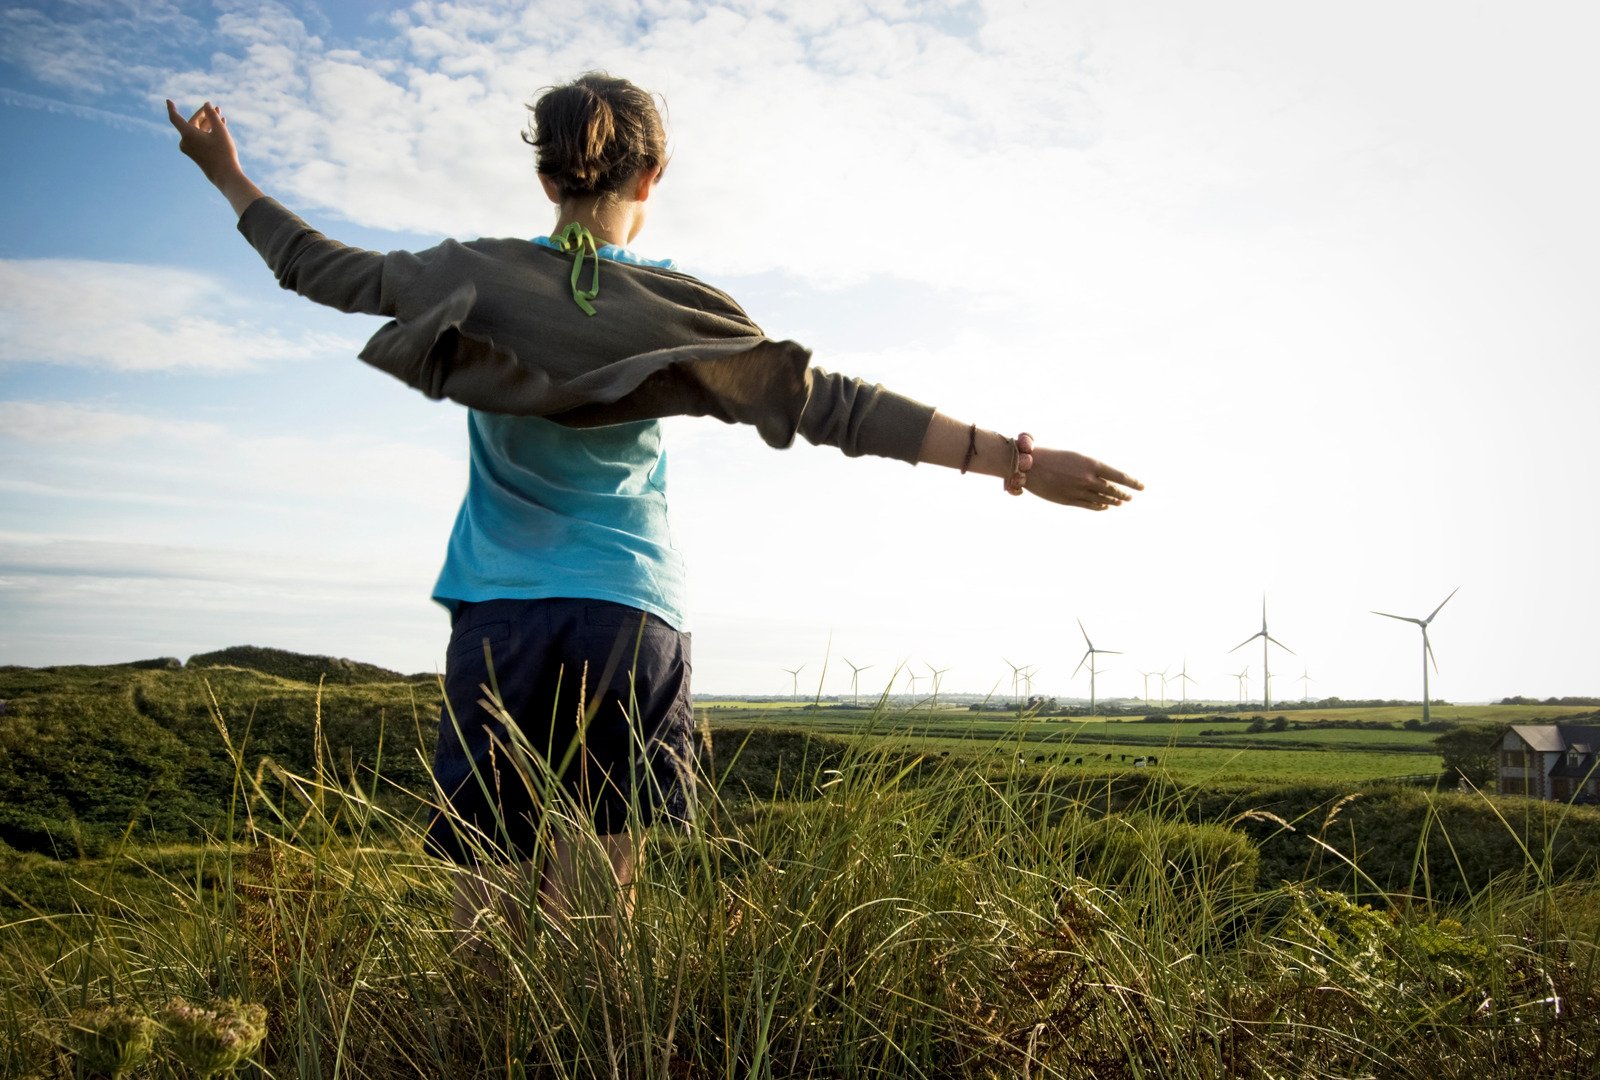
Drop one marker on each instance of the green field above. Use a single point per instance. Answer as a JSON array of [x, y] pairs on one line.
[[1316, 745]]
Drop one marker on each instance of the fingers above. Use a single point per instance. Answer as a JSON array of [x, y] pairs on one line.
[[1118, 476]]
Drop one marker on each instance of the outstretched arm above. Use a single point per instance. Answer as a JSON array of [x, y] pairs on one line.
[[206, 142], [302, 259], [1059, 476]]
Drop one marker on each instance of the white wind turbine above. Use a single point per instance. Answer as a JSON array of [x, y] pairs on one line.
[[1088, 658], [1183, 678], [1427, 649], [1244, 682], [935, 674], [855, 679], [1147, 675], [794, 673], [1305, 680], [1266, 639], [1016, 677]]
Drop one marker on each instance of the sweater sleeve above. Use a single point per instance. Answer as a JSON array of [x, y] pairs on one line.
[[862, 419], [326, 271]]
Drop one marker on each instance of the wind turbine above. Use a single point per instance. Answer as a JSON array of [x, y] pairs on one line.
[[1244, 682], [855, 679], [1266, 639], [1016, 675], [1147, 675], [1183, 677], [934, 674], [913, 676], [794, 693], [1305, 680], [1088, 658], [1427, 649]]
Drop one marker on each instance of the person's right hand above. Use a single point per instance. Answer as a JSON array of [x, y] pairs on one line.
[[1070, 479], [205, 141]]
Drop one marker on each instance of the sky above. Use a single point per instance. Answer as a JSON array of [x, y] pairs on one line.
[[1322, 276]]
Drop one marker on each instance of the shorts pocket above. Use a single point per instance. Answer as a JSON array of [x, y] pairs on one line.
[[469, 640]]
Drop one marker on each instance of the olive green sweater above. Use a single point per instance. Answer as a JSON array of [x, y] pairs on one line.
[[492, 325]]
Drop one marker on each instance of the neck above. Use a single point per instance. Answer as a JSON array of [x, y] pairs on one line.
[[610, 221]]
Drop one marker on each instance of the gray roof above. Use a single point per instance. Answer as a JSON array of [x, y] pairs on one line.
[[1557, 738], [1544, 738]]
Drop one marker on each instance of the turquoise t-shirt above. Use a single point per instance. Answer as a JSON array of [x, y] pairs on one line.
[[556, 511]]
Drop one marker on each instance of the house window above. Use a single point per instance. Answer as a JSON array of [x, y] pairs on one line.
[[1514, 759]]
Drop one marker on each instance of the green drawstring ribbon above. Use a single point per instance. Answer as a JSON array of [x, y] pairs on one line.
[[576, 238]]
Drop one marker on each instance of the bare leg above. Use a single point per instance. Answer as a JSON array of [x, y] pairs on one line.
[[483, 896], [572, 869], [489, 894]]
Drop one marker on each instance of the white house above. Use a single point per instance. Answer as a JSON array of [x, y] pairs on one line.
[[1550, 761]]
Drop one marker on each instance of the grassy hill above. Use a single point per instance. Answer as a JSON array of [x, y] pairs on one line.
[[846, 907]]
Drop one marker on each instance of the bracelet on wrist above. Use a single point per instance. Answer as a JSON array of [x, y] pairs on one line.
[[1021, 462]]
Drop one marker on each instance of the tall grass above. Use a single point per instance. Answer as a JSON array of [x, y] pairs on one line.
[[895, 917]]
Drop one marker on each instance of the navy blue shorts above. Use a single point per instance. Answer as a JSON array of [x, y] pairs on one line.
[[599, 695]]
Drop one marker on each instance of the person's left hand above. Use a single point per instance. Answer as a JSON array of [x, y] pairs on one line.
[[205, 141]]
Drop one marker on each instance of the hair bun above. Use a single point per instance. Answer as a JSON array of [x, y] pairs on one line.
[[593, 133]]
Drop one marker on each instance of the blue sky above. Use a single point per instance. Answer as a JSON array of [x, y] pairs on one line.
[[1324, 278]]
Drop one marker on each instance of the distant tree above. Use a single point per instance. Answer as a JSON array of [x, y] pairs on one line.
[[1279, 723], [1469, 751], [1413, 724], [1257, 724]]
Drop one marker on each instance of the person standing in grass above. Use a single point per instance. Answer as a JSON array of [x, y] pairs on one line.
[[561, 580]]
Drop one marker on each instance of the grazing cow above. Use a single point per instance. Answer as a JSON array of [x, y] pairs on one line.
[[1080, 761], [1152, 759], [1108, 757], [1138, 763]]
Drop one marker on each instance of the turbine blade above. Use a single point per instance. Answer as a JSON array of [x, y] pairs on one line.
[[1402, 618], [1280, 645], [1085, 634], [1442, 603], [1081, 663], [1427, 647], [1247, 641]]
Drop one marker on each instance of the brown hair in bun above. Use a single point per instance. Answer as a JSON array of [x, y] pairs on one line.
[[593, 133]]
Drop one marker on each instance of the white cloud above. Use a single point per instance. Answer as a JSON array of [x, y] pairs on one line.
[[139, 317], [69, 450], [17, 98], [78, 425]]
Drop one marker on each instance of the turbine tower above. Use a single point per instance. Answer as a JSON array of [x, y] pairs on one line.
[[855, 679], [794, 673], [1244, 682], [1147, 675], [1088, 658], [1183, 677], [1427, 649], [1266, 639]]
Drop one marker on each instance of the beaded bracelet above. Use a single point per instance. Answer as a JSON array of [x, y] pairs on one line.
[[1021, 462]]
